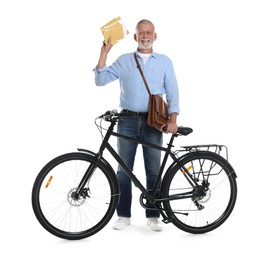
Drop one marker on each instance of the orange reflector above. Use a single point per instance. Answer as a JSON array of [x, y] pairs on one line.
[[49, 180], [189, 168]]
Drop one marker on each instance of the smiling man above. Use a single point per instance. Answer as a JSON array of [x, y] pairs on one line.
[[160, 76]]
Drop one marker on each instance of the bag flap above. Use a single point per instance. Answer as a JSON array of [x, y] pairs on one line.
[[160, 105]]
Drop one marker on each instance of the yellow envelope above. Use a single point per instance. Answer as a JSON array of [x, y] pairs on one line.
[[115, 29]]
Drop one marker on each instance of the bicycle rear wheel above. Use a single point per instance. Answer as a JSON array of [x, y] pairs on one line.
[[204, 213], [55, 206]]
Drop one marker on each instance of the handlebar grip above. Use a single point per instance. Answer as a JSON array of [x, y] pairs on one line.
[[108, 114]]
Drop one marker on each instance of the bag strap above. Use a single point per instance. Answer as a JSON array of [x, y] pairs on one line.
[[142, 75]]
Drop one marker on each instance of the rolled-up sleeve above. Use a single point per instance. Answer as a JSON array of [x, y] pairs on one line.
[[104, 75], [172, 89]]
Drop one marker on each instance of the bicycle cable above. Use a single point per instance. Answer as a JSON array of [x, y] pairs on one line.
[[100, 127]]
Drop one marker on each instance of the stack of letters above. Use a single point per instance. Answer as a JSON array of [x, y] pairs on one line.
[[115, 29]]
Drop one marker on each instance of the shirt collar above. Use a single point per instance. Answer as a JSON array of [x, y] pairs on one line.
[[153, 54]]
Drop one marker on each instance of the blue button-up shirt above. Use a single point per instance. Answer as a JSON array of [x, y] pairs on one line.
[[159, 74]]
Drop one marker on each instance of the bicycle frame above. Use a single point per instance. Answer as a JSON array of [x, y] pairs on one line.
[[197, 192], [150, 196]]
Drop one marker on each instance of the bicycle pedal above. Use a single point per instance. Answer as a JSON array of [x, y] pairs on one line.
[[166, 220]]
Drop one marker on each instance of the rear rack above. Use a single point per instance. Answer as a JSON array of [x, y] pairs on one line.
[[215, 148]]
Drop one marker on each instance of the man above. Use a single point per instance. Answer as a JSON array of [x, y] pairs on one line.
[[134, 98]]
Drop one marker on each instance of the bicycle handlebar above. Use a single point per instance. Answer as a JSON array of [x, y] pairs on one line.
[[111, 115], [107, 115]]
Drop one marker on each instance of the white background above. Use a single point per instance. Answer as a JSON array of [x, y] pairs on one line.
[[48, 102]]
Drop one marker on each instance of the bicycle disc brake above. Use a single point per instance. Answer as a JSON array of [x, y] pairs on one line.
[[77, 201]]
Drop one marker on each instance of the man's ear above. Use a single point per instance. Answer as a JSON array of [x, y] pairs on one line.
[[155, 36], [135, 37]]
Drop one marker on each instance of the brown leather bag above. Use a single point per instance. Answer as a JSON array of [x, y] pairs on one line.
[[157, 109]]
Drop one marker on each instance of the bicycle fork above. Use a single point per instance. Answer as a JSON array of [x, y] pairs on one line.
[[81, 190]]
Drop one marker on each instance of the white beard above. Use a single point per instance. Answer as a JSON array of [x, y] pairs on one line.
[[145, 47]]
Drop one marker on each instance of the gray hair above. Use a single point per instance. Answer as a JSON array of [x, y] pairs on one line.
[[144, 21]]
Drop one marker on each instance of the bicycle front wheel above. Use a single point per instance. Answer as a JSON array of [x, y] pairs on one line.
[[64, 215], [200, 214]]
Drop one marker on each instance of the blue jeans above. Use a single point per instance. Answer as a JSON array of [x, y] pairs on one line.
[[136, 126]]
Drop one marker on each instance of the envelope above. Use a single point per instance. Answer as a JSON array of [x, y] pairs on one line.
[[116, 29]]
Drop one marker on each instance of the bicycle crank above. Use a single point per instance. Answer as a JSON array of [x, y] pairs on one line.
[[145, 203]]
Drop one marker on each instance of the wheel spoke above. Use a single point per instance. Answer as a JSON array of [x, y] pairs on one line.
[[215, 194], [60, 210]]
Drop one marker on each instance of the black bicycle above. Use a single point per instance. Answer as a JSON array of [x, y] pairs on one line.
[[75, 195]]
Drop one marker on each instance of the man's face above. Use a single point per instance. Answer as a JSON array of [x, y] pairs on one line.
[[145, 36]]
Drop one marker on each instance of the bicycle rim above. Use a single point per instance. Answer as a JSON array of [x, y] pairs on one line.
[[57, 210], [204, 213]]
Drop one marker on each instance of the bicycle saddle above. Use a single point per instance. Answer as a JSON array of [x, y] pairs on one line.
[[184, 130]]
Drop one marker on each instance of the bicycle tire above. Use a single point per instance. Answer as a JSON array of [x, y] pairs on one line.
[[211, 210], [58, 212]]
